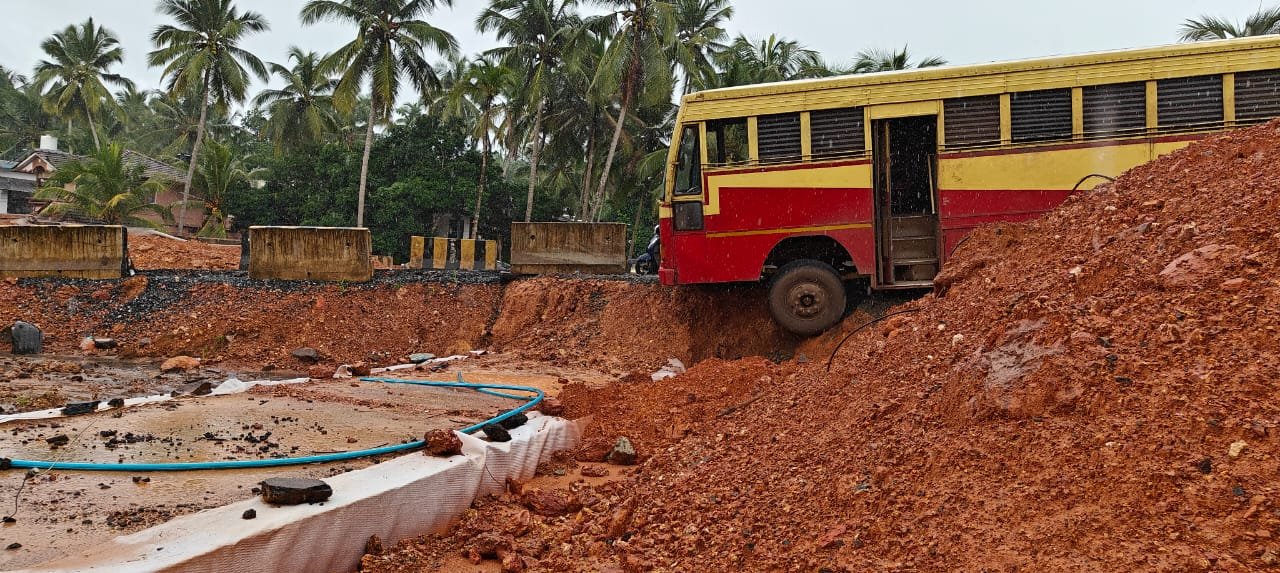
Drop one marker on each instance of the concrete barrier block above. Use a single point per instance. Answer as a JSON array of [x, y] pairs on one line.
[[310, 253], [73, 251], [441, 253], [591, 248]]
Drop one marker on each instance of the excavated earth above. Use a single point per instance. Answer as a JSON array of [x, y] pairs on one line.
[[1092, 391], [613, 326]]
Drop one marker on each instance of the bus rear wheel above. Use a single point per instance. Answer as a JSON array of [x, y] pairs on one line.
[[806, 297]]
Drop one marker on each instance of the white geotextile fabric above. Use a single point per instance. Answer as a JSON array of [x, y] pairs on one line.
[[395, 500], [229, 386]]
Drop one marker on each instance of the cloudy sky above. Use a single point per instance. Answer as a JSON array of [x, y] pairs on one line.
[[968, 31]]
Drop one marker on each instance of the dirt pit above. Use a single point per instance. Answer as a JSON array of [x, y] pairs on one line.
[[149, 251], [58, 510]]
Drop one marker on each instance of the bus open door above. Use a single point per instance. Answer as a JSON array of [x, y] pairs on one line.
[[905, 153]]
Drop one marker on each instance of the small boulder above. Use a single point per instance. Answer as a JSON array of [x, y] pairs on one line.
[[421, 357], [496, 433], [27, 338], [294, 491], [320, 372], [515, 421], [180, 364], [551, 502], [116, 402], [105, 343], [443, 443], [1237, 448], [622, 454], [361, 369], [373, 546], [551, 407], [249, 514], [79, 408], [58, 440], [306, 354], [1234, 285]]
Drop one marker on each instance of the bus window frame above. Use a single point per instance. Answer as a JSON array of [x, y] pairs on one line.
[[717, 127], [692, 155]]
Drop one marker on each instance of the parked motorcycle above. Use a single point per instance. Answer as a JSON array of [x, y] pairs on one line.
[[647, 263]]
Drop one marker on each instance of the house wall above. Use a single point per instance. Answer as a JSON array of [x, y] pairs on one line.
[[172, 197]]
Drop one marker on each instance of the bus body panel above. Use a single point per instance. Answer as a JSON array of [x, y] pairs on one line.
[[749, 209]]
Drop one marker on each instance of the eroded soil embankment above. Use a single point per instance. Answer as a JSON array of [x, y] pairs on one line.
[[612, 326]]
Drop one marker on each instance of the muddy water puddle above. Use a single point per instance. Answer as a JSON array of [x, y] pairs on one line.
[[39, 382], [58, 511]]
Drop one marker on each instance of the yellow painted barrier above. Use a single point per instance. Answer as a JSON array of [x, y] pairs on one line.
[[590, 248], [440, 253], [73, 251], [310, 253]]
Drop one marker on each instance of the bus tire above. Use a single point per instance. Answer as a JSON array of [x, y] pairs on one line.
[[806, 297]]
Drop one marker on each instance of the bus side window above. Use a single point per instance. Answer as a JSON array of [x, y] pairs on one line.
[[727, 142], [688, 164]]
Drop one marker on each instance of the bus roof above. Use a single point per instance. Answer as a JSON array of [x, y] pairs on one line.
[[962, 72]]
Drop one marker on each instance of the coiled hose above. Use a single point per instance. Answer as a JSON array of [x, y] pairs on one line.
[[490, 389]]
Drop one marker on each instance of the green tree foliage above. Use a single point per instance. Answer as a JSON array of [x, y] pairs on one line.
[[203, 50], [419, 169], [390, 44], [699, 36], [634, 65], [105, 186], [771, 59], [877, 60], [218, 174], [302, 111], [23, 115], [474, 98], [1260, 23], [540, 36], [76, 73]]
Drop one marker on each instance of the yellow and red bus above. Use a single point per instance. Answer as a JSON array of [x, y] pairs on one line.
[[811, 183]]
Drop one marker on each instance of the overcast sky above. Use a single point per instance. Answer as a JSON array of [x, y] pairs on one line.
[[962, 31]]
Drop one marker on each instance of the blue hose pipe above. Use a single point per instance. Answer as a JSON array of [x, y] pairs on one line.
[[490, 389]]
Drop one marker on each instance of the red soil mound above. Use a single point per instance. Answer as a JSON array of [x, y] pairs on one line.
[[610, 326], [1095, 390], [255, 325], [615, 325], [154, 252]]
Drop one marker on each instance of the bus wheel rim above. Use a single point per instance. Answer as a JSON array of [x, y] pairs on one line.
[[806, 300]]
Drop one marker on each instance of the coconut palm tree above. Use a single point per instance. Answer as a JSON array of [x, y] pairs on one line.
[[877, 60], [389, 45], [1259, 23], [474, 97], [700, 36], [23, 115], [539, 34], [76, 72], [203, 50], [302, 110], [771, 59], [635, 63], [175, 123], [219, 169], [104, 186]]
